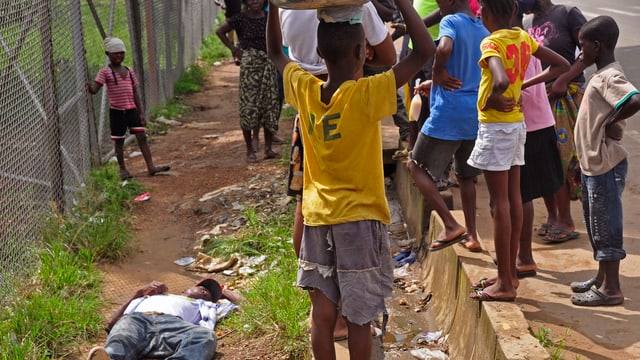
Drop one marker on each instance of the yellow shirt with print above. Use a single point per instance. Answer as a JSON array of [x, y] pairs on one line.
[[514, 47], [343, 170]]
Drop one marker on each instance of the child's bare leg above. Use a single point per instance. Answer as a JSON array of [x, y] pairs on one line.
[[256, 139], [268, 142], [524, 260], [611, 279], [251, 154], [119, 150], [323, 321], [515, 212], [468, 199], [498, 185], [552, 209], [359, 341], [118, 146], [146, 153], [430, 192], [565, 220]]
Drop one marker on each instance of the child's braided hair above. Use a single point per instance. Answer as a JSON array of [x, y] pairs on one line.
[[499, 8]]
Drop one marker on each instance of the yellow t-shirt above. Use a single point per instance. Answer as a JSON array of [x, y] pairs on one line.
[[343, 173], [514, 47]]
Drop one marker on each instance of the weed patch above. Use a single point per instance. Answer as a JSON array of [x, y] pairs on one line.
[[274, 305], [60, 306]]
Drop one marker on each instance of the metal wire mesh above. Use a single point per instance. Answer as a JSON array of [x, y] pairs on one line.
[[49, 136]]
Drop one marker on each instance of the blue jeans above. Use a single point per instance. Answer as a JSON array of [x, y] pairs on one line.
[[602, 207], [140, 335]]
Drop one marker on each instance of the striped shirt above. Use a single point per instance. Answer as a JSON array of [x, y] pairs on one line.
[[119, 90]]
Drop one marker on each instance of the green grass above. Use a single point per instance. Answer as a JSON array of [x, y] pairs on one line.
[[555, 348], [61, 304], [213, 49], [191, 80], [274, 306]]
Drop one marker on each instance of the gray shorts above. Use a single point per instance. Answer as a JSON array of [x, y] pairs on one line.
[[434, 155], [349, 261]]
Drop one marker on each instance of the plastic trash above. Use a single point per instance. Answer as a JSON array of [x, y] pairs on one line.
[[428, 354], [427, 337], [144, 197], [409, 258], [185, 261]]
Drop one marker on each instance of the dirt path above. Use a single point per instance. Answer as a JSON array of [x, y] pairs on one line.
[[206, 153]]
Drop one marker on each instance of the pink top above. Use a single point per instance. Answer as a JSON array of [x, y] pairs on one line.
[[475, 7], [121, 94], [535, 103]]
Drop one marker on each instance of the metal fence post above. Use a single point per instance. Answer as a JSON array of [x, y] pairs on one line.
[[51, 108]]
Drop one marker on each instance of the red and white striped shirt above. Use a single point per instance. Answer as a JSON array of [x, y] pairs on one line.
[[119, 89]]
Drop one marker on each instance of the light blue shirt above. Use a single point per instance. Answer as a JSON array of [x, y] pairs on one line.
[[454, 114]]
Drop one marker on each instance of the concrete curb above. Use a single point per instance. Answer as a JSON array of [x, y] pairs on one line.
[[476, 330]]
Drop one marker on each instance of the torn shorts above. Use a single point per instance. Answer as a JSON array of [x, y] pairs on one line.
[[349, 261]]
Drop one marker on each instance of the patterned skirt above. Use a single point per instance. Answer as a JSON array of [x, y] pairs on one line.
[[259, 104]]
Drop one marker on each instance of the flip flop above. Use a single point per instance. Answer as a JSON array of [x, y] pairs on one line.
[[159, 169], [480, 295], [481, 284], [561, 235], [584, 286], [593, 297], [271, 155], [125, 175], [251, 158], [526, 273], [544, 229], [446, 243]]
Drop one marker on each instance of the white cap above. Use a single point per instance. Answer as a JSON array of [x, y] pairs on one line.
[[114, 45]]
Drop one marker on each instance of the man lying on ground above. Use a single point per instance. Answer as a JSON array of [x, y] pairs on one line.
[[156, 324]]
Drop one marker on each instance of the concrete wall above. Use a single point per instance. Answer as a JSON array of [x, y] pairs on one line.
[[476, 330]]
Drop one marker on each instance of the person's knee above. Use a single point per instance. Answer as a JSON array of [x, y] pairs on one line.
[[141, 138]]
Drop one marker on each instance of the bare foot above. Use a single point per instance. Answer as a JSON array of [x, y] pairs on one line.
[[446, 239], [492, 293], [472, 244]]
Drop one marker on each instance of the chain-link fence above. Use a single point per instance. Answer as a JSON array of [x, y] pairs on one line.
[[49, 136]]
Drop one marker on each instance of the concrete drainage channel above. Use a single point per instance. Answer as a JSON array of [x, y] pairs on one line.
[[474, 330]]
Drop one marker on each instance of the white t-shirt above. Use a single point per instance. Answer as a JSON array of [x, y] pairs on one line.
[[299, 34], [187, 309]]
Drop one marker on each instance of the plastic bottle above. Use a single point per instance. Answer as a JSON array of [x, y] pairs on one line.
[[415, 105]]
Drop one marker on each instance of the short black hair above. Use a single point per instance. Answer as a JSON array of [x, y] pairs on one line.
[[602, 28], [500, 8], [337, 39]]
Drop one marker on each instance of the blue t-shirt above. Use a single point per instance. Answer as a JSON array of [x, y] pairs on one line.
[[454, 114]]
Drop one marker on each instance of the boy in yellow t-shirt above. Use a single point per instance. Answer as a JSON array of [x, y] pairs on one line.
[[499, 148], [345, 248]]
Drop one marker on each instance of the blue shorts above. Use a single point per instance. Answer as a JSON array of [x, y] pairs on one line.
[[349, 261], [602, 206]]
